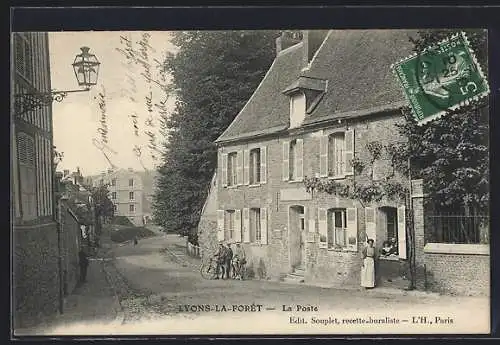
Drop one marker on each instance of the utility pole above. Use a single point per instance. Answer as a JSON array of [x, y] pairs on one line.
[[411, 231]]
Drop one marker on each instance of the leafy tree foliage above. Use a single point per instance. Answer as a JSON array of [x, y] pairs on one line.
[[451, 153], [213, 73], [102, 205]]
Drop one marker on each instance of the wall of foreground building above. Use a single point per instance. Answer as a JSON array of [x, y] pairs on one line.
[[36, 280]]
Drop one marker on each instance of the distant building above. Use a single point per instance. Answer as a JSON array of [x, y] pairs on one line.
[[130, 191]]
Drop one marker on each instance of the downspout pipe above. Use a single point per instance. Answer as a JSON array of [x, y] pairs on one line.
[[56, 212]]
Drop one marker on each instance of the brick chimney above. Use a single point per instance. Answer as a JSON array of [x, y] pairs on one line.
[[312, 40], [287, 39]]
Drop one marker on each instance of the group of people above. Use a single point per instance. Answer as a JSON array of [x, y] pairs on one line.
[[389, 247], [230, 262]]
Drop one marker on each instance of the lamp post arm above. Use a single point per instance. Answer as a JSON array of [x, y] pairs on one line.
[[26, 102]]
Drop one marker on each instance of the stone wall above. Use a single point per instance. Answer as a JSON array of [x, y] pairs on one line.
[[36, 281], [71, 239], [459, 274]]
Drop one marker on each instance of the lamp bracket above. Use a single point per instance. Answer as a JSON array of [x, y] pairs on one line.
[[26, 102]]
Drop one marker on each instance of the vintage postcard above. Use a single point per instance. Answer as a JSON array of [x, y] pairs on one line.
[[250, 182]]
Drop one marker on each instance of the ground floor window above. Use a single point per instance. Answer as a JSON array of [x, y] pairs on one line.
[[337, 229], [229, 224], [255, 229], [390, 234]]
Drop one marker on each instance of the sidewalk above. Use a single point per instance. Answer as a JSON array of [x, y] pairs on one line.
[[93, 303]]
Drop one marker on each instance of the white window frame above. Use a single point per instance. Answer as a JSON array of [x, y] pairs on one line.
[[131, 208], [297, 109], [338, 151], [232, 169], [229, 224], [113, 182], [129, 182], [255, 166], [131, 195], [293, 160], [255, 225], [332, 214]]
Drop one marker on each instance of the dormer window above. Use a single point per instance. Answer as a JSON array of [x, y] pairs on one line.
[[297, 109], [305, 94]]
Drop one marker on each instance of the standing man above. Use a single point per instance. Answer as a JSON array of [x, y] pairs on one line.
[[220, 257], [239, 261], [84, 263], [228, 258]]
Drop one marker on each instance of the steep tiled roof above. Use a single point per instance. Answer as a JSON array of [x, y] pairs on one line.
[[356, 64], [267, 109]]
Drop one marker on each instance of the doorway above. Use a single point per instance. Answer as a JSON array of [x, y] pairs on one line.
[[296, 226]]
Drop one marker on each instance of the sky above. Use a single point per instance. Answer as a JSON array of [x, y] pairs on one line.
[[77, 118]]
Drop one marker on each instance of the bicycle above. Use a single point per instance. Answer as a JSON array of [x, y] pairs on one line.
[[238, 269], [209, 268]]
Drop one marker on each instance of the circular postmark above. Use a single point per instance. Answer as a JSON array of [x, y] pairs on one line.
[[443, 74]]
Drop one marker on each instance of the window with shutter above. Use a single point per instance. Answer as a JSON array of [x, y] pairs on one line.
[[23, 56], [263, 226], [232, 169], [220, 225], [292, 156], [393, 242], [370, 223], [246, 225], [237, 226], [255, 225], [224, 174], [352, 229], [299, 159], [246, 167], [402, 232], [239, 168], [263, 164], [27, 172], [337, 228], [255, 166], [229, 224], [323, 155], [323, 228], [286, 161], [349, 152]]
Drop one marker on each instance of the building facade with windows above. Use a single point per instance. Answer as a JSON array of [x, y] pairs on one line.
[[36, 285], [127, 192], [325, 98]]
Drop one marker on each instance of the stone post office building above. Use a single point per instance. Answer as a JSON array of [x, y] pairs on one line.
[[326, 95]]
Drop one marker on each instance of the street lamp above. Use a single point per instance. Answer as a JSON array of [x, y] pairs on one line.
[[86, 68]]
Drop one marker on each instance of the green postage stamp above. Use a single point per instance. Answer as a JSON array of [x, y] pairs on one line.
[[442, 77]]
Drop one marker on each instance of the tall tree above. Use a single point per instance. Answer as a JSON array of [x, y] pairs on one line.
[[451, 153], [102, 205], [214, 73]]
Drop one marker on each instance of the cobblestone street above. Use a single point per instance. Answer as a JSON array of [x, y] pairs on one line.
[[155, 288], [92, 306], [157, 282]]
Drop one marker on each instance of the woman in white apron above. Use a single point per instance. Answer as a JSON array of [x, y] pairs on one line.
[[368, 268]]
